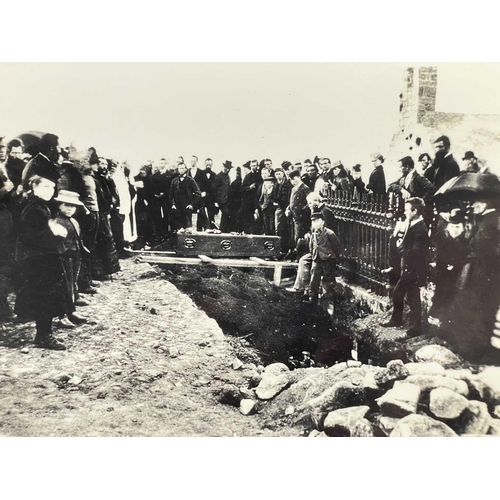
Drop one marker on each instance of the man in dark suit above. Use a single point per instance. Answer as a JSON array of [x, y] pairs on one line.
[[204, 185], [184, 195], [220, 189], [413, 247], [445, 167], [376, 183], [249, 199], [413, 185], [426, 166], [298, 209], [282, 191]]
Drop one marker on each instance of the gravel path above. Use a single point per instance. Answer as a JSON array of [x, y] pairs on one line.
[[149, 364]]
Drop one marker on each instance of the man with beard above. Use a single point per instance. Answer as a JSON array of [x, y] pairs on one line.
[[221, 186], [184, 195], [249, 199], [48, 150], [207, 180], [15, 164], [445, 166], [413, 185]]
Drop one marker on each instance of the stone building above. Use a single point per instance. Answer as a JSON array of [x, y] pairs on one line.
[[420, 123]]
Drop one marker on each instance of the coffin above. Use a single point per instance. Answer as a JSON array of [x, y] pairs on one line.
[[225, 245]]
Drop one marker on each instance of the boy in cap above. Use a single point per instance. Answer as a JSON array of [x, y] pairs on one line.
[[69, 202], [325, 247]]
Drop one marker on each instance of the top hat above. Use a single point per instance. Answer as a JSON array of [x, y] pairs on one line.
[[227, 164], [69, 197]]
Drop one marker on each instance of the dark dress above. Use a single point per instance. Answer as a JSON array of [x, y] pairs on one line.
[[104, 257], [41, 292], [477, 300]]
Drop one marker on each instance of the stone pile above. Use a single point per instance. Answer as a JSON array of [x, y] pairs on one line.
[[433, 396]]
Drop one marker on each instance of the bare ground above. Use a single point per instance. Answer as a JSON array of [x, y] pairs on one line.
[[149, 363]]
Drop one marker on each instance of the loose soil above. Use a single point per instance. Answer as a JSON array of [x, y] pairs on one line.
[[278, 325], [149, 363]]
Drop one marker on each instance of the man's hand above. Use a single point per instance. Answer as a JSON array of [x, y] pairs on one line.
[[189, 207], [405, 194], [216, 205], [203, 194], [253, 186]]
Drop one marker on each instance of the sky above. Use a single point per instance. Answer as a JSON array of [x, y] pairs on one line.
[[228, 111]]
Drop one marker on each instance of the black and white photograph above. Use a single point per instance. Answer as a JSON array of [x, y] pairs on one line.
[[247, 247], [302, 277]]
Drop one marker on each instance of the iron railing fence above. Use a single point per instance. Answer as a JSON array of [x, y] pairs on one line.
[[364, 227]]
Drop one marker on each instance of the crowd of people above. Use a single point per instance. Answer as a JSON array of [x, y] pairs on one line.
[[67, 218]]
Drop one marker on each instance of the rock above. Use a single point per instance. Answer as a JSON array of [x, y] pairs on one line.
[[250, 366], [340, 395], [252, 378], [230, 395], [446, 404], [247, 406], [489, 385], [341, 422], [260, 368], [317, 434], [431, 368], [362, 428], [475, 420], [395, 370], [24, 350], [174, 352], [438, 354], [429, 382], [386, 424], [494, 428], [290, 410], [421, 426], [274, 380], [61, 379], [401, 400], [75, 380], [247, 393], [237, 364], [314, 392], [369, 382], [276, 369], [496, 411]]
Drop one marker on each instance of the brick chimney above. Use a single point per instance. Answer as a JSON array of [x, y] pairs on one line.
[[418, 98]]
